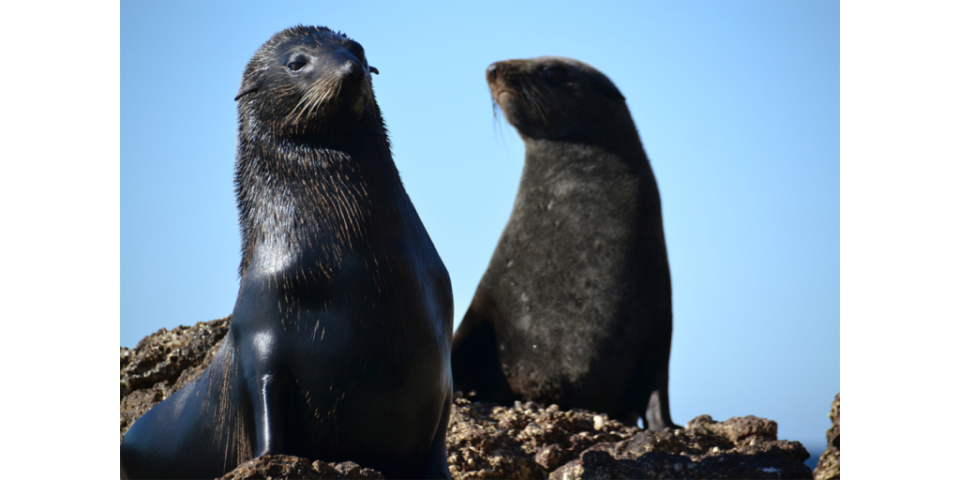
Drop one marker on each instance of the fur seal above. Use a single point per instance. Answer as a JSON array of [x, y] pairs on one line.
[[339, 348], [575, 305]]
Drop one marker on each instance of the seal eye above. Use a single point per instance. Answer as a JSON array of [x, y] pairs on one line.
[[554, 74], [295, 66]]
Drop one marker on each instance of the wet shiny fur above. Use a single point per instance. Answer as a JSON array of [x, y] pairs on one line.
[[340, 341]]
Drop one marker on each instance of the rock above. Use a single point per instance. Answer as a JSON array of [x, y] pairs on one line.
[[486, 441], [478, 447], [270, 467], [828, 468], [164, 362], [741, 447], [833, 434], [527, 440], [124, 361]]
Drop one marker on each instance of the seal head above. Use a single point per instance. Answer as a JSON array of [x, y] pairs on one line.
[[555, 98], [307, 78]]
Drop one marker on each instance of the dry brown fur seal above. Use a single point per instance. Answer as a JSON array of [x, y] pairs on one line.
[[339, 348], [575, 305]]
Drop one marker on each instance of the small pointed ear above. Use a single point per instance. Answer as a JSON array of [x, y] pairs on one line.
[[251, 83], [244, 92], [374, 70], [610, 90]]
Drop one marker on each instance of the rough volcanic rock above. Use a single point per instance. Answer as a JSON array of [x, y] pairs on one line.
[[270, 467], [741, 447], [828, 468], [486, 441], [164, 362], [124, 361]]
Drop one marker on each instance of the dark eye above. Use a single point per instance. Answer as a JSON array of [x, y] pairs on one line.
[[554, 74], [295, 66]]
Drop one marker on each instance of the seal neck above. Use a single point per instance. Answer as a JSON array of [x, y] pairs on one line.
[[615, 134], [296, 197]]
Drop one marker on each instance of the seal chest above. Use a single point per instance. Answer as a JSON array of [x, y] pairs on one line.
[[574, 307], [340, 340]]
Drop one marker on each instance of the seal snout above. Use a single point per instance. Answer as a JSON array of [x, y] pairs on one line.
[[492, 73], [498, 86], [353, 71]]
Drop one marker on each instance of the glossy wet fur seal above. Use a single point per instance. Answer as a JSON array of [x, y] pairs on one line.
[[575, 305], [339, 345]]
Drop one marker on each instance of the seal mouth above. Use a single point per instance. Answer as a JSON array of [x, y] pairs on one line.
[[522, 99], [504, 96], [520, 93], [332, 92], [320, 94]]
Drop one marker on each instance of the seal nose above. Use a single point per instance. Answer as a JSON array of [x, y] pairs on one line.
[[354, 71], [492, 73]]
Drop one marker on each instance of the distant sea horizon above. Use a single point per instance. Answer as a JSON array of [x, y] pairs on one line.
[[815, 449]]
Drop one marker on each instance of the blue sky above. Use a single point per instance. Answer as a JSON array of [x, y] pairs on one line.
[[737, 103]]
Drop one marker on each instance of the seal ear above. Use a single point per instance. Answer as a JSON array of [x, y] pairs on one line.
[[251, 83], [245, 89], [608, 89]]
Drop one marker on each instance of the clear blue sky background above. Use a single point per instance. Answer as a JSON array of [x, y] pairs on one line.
[[737, 103]]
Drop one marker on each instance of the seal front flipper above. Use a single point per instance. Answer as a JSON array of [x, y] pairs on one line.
[[473, 359], [655, 398], [267, 397], [657, 416], [266, 382], [437, 455], [198, 432], [431, 465]]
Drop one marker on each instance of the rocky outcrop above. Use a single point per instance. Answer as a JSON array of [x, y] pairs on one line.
[[485, 441], [828, 468], [741, 447], [278, 467], [164, 362], [531, 441]]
